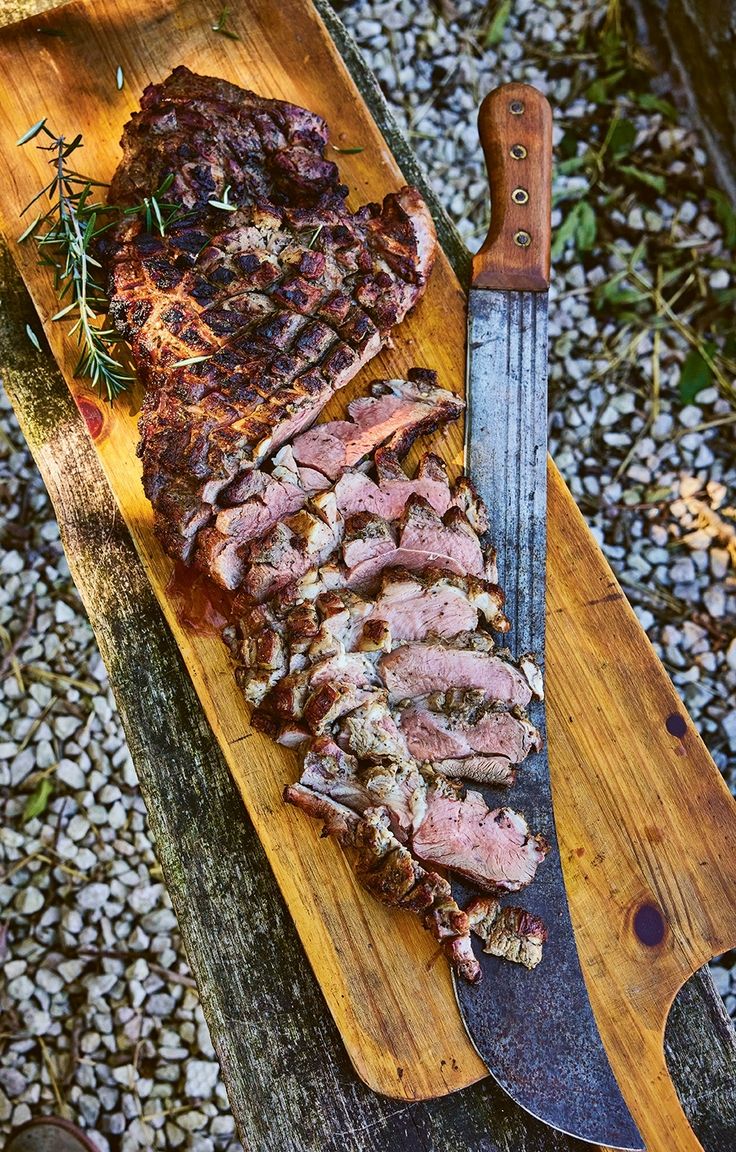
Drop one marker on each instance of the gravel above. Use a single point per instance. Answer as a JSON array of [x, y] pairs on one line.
[[97, 1001]]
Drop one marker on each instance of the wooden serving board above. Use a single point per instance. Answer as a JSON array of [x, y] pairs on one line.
[[644, 819]]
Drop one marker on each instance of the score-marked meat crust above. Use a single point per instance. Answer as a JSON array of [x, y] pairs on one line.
[[275, 305]]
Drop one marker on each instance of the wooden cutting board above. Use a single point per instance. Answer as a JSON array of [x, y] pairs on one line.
[[647, 828]]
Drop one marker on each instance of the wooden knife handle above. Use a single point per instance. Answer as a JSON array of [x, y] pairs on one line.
[[515, 125]]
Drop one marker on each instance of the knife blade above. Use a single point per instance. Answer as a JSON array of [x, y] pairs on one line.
[[534, 1030]]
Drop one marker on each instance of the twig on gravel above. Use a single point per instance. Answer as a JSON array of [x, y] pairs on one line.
[[60, 1104], [17, 643], [129, 954]]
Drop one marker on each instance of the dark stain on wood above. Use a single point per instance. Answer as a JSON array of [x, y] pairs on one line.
[[676, 725], [605, 599], [649, 925]]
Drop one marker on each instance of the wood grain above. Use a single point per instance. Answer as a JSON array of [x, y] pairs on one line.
[[620, 972], [515, 129]]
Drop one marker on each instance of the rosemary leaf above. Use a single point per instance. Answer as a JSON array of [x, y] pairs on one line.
[[346, 151], [31, 227], [65, 311], [220, 26], [33, 337], [66, 245], [191, 360], [72, 147], [34, 131]]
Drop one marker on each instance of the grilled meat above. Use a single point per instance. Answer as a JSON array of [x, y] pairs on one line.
[[340, 540], [511, 933], [464, 734], [386, 869], [395, 413], [319, 692], [408, 606], [272, 306], [365, 593], [441, 823], [419, 669], [493, 848]]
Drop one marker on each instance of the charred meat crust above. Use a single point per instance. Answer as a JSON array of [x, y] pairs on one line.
[[387, 870], [274, 306]]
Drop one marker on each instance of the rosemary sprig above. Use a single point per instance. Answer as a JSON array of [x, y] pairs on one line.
[[72, 223]]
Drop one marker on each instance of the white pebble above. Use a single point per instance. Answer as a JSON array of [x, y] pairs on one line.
[[20, 989], [201, 1077], [71, 774], [93, 896], [28, 901]]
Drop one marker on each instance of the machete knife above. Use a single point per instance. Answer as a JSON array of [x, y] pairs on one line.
[[534, 1030]]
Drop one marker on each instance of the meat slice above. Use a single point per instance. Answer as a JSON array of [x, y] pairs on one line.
[[396, 413], [269, 640], [511, 933], [243, 323], [424, 530], [371, 733], [492, 848], [387, 870], [390, 492], [399, 786], [419, 669], [464, 734], [443, 824]]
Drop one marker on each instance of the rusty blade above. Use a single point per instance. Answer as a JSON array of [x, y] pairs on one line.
[[534, 1030]]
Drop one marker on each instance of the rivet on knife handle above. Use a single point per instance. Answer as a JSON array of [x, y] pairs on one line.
[[515, 125]]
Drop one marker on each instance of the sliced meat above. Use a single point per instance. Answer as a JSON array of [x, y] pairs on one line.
[[320, 694], [397, 411], [363, 542], [454, 726], [268, 641], [386, 869], [422, 539], [413, 670], [400, 787], [389, 493], [443, 824], [242, 324], [493, 848], [371, 732], [511, 933], [395, 414], [290, 549]]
